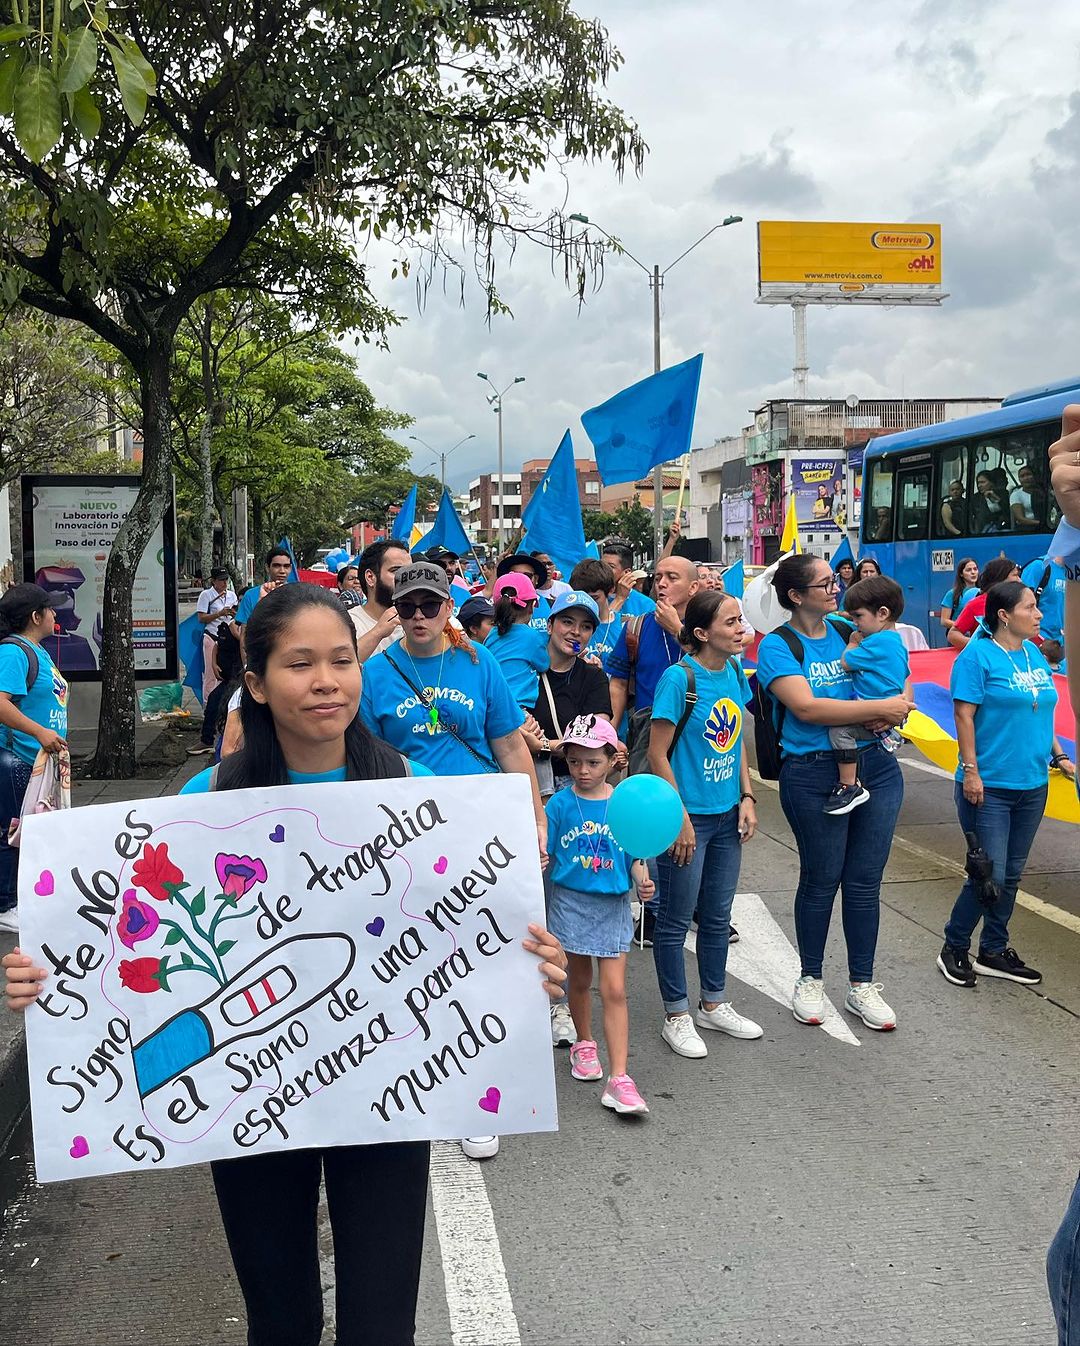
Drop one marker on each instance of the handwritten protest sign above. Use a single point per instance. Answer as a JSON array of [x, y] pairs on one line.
[[256, 970]]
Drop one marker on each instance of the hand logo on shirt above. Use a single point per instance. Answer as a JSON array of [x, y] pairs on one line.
[[724, 725]]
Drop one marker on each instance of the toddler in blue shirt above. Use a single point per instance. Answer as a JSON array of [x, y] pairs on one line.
[[877, 660]]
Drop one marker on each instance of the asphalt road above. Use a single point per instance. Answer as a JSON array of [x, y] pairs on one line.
[[801, 1188]]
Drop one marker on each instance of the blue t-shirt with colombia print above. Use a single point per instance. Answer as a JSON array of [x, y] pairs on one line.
[[474, 697], [585, 857], [707, 756], [1013, 738], [45, 703], [822, 669]]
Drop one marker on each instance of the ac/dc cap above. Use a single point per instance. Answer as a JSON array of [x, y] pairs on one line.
[[421, 577]]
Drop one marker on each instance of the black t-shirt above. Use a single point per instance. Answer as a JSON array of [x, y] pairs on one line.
[[582, 691]]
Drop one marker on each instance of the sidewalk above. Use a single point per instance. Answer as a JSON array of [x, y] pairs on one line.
[[14, 1085]]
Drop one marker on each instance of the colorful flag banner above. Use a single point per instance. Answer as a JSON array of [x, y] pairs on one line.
[[789, 542], [650, 422]]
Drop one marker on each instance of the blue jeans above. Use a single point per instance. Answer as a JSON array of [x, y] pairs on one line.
[[1005, 823], [707, 883], [14, 778], [846, 853], [1063, 1274]]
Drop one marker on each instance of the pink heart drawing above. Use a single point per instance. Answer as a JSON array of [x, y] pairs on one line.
[[45, 886], [375, 927], [491, 1100], [440, 865], [278, 834], [79, 1148]]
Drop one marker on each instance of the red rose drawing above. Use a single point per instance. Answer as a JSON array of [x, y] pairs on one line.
[[153, 870], [140, 974]]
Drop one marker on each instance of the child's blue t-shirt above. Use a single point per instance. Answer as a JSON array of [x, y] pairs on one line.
[[523, 655], [474, 697], [585, 857], [965, 597], [541, 613], [822, 669], [879, 665], [45, 703], [1052, 598], [1013, 737], [709, 751], [200, 784]]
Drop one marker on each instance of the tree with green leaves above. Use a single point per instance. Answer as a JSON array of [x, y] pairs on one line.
[[598, 525], [223, 143], [635, 523]]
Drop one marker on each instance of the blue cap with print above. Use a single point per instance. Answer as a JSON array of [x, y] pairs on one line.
[[575, 599]]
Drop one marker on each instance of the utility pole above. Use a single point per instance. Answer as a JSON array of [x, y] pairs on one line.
[[496, 401]]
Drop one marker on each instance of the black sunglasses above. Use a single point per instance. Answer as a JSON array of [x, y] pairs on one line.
[[430, 607]]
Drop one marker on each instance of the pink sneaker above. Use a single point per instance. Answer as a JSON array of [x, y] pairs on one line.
[[621, 1095], [584, 1062]]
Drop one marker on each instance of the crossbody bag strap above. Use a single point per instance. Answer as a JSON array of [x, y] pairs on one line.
[[551, 705], [446, 724], [690, 702]]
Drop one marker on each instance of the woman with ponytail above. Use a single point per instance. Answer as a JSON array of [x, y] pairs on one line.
[[521, 650], [33, 715], [299, 711]]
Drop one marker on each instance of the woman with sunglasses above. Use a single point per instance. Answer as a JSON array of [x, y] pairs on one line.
[[801, 668], [443, 701]]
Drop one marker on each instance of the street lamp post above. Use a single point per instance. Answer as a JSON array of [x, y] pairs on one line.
[[656, 284], [496, 401], [442, 457]]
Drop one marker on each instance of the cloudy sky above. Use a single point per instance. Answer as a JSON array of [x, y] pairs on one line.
[[965, 112]]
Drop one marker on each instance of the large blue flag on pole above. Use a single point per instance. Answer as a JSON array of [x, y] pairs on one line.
[[553, 516], [447, 531], [842, 553], [189, 646], [402, 527], [294, 573], [648, 423]]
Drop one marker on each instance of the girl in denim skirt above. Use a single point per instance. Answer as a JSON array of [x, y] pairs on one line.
[[589, 906]]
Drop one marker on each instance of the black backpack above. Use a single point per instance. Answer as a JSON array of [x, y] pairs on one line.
[[769, 713]]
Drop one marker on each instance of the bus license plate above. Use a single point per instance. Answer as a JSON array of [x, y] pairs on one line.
[[942, 560]]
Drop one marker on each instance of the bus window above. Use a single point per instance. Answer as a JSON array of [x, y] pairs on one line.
[[877, 511], [951, 515], [914, 508], [1025, 458]]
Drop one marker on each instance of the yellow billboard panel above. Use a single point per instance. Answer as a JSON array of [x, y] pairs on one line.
[[820, 262]]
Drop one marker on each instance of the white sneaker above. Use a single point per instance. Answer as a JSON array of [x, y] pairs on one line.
[[563, 1032], [480, 1147], [864, 999], [725, 1020], [808, 1000], [9, 920], [682, 1037]]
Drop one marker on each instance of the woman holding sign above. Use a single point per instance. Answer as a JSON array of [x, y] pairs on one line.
[[299, 712]]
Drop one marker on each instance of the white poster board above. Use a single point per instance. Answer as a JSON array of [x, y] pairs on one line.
[[258, 970]]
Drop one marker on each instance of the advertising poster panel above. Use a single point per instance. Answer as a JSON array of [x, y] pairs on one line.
[[820, 499], [834, 263], [69, 526]]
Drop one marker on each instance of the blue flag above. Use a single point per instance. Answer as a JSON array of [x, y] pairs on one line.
[[735, 580], [294, 573], [648, 423], [189, 647], [553, 515], [447, 531], [592, 550], [403, 525], [842, 553]]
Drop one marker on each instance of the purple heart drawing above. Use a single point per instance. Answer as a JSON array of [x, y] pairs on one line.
[[278, 834], [491, 1100], [46, 884], [440, 865], [79, 1148], [376, 927]]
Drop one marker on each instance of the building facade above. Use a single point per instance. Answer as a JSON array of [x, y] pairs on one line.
[[482, 520]]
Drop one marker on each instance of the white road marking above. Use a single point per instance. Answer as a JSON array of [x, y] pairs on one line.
[[477, 1291], [928, 767], [764, 959]]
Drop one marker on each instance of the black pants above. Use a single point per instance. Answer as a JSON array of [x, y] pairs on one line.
[[211, 713], [377, 1195]]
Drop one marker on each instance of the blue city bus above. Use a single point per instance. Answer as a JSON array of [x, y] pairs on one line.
[[977, 487]]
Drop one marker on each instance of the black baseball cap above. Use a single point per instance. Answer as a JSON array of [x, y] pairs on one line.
[[477, 606], [219, 573], [539, 569], [421, 577]]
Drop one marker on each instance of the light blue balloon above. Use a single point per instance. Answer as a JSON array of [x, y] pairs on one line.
[[645, 815]]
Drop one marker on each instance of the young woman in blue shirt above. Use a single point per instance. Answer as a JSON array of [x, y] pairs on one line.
[[1003, 702], [299, 711], [849, 850], [709, 768], [963, 588]]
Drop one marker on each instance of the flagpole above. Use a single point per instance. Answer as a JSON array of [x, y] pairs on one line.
[[658, 471]]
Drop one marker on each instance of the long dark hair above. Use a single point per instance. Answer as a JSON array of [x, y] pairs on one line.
[[506, 610], [961, 584], [701, 612], [19, 605], [260, 762], [793, 572], [995, 572], [1001, 596]]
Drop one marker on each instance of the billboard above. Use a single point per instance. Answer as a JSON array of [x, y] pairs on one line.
[[836, 263], [69, 525], [818, 487]]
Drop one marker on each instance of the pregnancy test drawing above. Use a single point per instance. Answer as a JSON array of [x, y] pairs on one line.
[[257, 999]]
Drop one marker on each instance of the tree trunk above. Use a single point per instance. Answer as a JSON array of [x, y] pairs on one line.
[[228, 542], [258, 526], [114, 758], [206, 501]]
